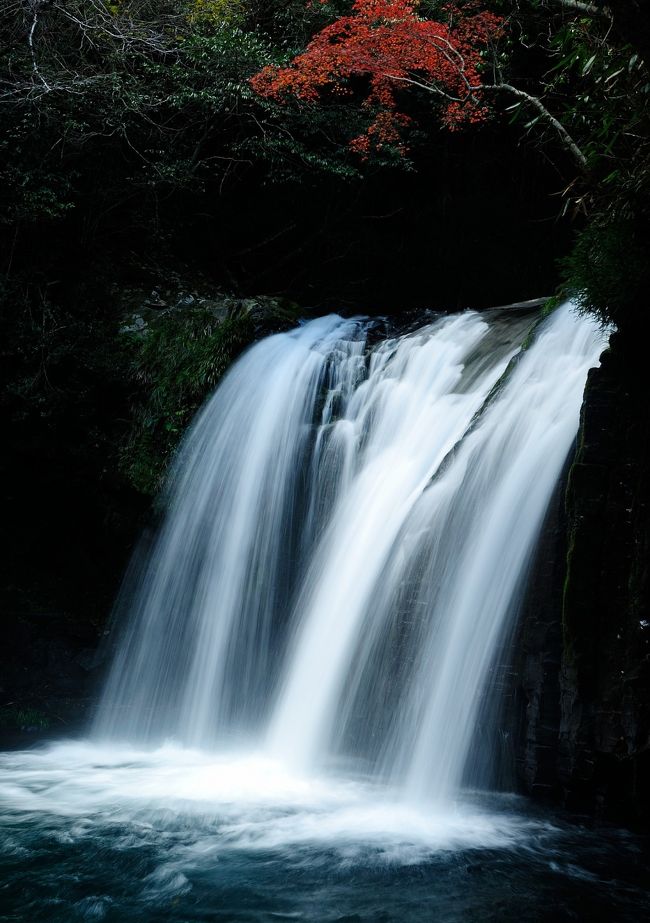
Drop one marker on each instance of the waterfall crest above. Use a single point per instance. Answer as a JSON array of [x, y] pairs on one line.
[[348, 533]]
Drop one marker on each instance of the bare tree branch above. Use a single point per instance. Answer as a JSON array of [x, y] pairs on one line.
[[579, 6], [535, 103], [30, 41]]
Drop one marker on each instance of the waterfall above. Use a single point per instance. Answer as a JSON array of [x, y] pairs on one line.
[[349, 526]]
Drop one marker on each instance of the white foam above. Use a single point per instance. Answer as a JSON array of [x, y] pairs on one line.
[[233, 802]]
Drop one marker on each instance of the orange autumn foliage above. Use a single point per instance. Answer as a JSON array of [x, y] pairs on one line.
[[391, 47]]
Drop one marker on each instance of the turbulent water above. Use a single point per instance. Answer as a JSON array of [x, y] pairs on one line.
[[179, 836], [290, 723]]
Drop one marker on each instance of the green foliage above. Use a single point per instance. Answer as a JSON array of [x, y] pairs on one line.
[[176, 362], [595, 82], [215, 13], [175, 359], [292, 23], [146, 122], [607, 271], [154, 98], [605, 90]]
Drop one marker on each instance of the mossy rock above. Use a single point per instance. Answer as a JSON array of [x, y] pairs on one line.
[[177, 352]]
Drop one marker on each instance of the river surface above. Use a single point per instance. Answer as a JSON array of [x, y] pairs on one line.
[[175, 835]]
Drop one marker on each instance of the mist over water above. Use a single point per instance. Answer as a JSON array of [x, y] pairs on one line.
[[290, 719], [178, 835]]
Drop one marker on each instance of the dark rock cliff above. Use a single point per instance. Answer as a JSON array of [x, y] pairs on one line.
[[584, 646]]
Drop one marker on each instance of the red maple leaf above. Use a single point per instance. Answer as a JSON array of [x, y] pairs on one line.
[[388, 44]]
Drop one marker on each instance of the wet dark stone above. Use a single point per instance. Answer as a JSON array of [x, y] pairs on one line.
[[583, 648]]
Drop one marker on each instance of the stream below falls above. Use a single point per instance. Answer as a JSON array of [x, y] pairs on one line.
[[180, 836]]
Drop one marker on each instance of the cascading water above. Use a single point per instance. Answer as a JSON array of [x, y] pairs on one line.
[[348, 534], [307, 659]]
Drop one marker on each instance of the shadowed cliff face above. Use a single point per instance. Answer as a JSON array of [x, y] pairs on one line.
[[604, 750], [583, 653]]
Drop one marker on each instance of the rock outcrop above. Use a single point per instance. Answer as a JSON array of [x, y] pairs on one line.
[[584, 643]]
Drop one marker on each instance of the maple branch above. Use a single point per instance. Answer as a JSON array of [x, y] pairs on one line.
[[445, 47], [429, 87], [567, 141]]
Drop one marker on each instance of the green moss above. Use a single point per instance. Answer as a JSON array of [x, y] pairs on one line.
[[176, 359], [551, 305], [23, 719]]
